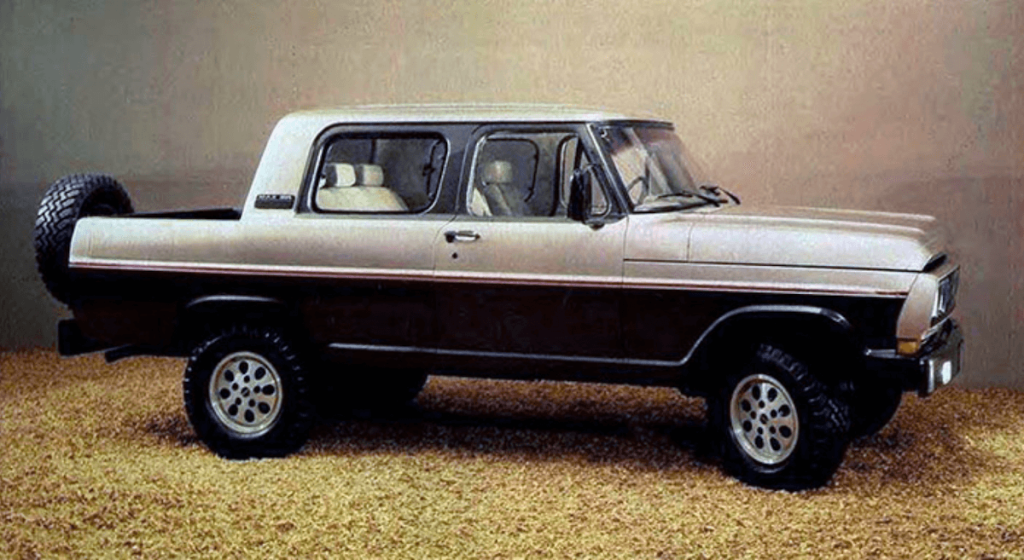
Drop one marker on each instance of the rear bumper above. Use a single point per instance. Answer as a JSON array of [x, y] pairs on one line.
[[72, 342], [936, 365]]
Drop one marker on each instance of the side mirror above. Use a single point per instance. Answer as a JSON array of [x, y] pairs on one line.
[[580, 192]]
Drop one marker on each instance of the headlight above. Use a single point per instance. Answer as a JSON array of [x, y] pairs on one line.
[[945, 298], [929, 302]]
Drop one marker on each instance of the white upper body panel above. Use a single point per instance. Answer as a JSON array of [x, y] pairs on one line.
[[780, 236], [731, 234]]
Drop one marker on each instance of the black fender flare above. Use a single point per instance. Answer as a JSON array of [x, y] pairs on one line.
[[786, 325], [198, 316]]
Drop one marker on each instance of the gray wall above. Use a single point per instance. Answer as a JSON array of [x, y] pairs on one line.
[[906, 106]]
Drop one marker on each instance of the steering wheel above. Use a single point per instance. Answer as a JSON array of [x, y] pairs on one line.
[[645, 188], [643, 180]]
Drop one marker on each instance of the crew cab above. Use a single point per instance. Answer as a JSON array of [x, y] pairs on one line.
[[379, 245]]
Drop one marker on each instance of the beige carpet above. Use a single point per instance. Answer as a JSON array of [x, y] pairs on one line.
[[98, 460]]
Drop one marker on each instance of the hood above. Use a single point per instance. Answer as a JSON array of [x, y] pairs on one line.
[[783, 236]]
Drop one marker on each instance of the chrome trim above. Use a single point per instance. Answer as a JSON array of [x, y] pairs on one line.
[[944, 363], [761, 287], [811, 267], [228, 298], [514, 279], [238, 269], [883, 354], [804, 309], [464, 235], [478, 353], [501, 278], [380, 348]]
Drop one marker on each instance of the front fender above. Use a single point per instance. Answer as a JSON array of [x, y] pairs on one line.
[[809, 332]]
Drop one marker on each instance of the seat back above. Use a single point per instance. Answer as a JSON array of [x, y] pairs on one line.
[[499, 190], [357, 188]]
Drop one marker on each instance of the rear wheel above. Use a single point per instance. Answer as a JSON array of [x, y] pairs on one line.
[[246, 394], [777, 425]]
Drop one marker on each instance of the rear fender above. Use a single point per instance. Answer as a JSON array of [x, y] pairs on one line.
[[207, 314]]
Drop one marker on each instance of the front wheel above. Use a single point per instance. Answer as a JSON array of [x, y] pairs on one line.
[[246, 394], [777, 425]]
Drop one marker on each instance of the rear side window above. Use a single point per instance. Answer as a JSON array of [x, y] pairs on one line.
[[397, 173]]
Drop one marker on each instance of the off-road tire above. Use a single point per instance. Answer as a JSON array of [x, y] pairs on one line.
[[821, 424], [262, 347], [65, 202]]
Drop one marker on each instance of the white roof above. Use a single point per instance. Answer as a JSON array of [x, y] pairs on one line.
[[467, 112], [284, 158]]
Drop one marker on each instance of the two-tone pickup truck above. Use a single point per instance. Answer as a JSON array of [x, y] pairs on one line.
[[378, 245]]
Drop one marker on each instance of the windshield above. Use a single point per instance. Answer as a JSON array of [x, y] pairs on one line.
[[657, 171]]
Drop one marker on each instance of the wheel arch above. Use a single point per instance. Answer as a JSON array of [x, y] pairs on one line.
[[203, 315], [815, 334]]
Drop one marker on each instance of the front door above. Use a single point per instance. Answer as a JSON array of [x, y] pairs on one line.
[[518, 281]]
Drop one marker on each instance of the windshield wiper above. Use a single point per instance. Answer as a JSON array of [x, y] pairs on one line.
[[672, 194], [704, 199], [719, 191], [692, 194]]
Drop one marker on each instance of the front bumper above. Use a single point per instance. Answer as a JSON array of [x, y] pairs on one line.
[[938, 363]]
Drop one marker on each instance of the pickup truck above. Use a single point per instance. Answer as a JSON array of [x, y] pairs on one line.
[[380, 245]]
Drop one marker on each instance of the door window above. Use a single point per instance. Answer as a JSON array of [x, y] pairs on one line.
[[519, 173]]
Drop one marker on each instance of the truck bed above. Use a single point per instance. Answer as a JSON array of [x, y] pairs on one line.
[[226, 213]]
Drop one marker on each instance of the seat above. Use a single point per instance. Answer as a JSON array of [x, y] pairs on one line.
[[498, 189], [357, 188]]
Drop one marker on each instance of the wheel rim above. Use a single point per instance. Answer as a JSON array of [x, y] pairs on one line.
[[764, 419], [245, 394]]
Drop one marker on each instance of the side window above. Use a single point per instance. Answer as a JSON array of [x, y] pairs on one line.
[[379, 173], [526, 174]]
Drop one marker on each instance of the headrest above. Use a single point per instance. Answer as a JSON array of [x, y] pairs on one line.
[[369, 175], [497, 171], [340, 174], [349, 175]]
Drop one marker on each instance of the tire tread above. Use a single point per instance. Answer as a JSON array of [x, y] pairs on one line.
[[295, 424], [825, 425], [66, 201]]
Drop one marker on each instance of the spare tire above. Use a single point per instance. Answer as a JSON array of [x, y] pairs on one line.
[[65, 202]]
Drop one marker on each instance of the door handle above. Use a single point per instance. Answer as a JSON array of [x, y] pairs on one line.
[[461, 235]]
